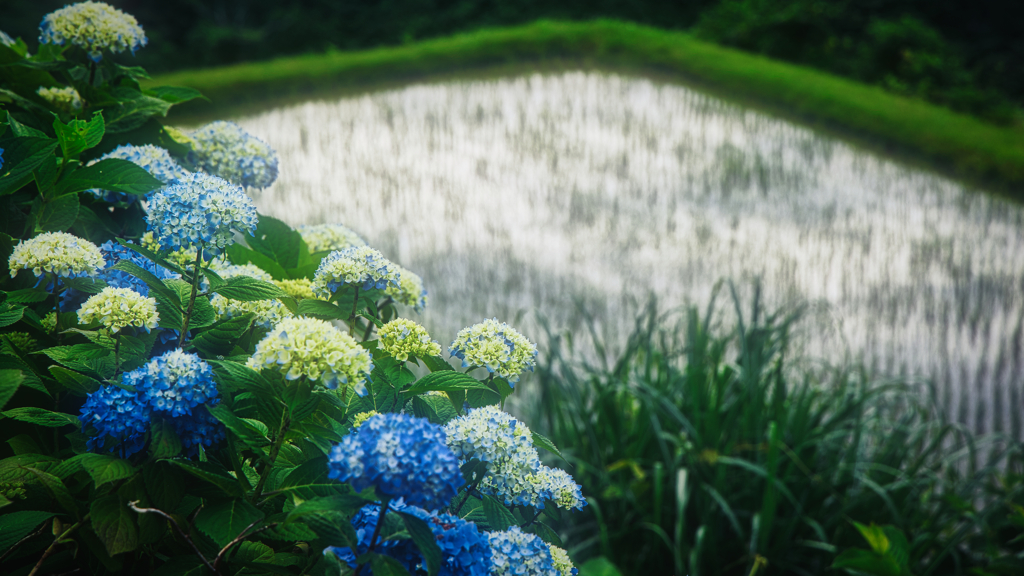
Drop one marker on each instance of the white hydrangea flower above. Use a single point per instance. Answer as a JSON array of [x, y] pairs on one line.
[[224, 149], [359, 266], [65, 99], [116, 308], [299, 288], [320, 237], [58, 253], [315, 349], [93, 27], [267, 312], [557, 486], [560, 558], [409, 291], [402, 338], [496, 346]]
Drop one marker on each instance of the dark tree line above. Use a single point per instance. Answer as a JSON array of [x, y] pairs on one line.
[[966, 55]]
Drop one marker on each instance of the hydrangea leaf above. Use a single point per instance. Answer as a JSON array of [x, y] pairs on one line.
[[134, 109], [57, 214], [174, 94], [333, 528], [103, 468], [9, 382], [78, 136], [424, 539], [497, 515], [21, 156], [541, 441], [245, 432], [57, 489], [322, 310], [78, 383], [443, 381], [113, 174], [212, 475], [114, 523], [248, 289], [224, 521], [277, 240], [220, 338], [17, 525], [343, 503], [42, 417], [386, 566]]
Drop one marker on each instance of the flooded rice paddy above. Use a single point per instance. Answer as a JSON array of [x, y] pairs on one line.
[[582, 194]]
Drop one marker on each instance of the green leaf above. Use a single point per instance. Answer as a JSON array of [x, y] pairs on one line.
[[599, 566], [309, 480], [343, 503], [498, 517], [56, 488], [175, 94], [866, 562], [46, 175], [249, 289], [112, 174], [241, 255], [42, 417], [103, 468], [83, 358], [78, 136], [424, 539], [211, 474], [322, 310], [20, 129], [154, 283], [114, 523], [17, 525], [541, 441], [86, 285], [59, 213], [437, 363], [246, 432], [133, 110], [437, 409], [277, 240], [221, 338], [224, 521], [21, 157], [10, 380], [203, 313], [27, 296], [386, 566], [334, 528], [444, 381], [875, 536], [11, 315]]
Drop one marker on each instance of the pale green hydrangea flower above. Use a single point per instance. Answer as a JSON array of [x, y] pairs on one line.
[[267, 312], [116, 308], [93, 27], [49, 322], [496, 346], [58, 253], [313, 348], [560, 558], [556, 485], [358, 419], [362, 267], [402, 338], [299, 288], [409, 290], [64, 99], [321, 237]]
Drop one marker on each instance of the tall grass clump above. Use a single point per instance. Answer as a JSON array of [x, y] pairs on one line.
[[710, 450]]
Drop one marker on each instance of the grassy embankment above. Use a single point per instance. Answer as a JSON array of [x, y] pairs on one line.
[[954, 143]]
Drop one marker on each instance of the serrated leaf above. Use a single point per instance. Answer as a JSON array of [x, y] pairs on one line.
[[155, 284], [211, 474], [133, 110], [436, 364], [10, 380], [42, 417], [114, 523], [443, 381], [112, 174], [17, 525], [56, 488], [498, 517], [76, 382], [241, 255], [86, 285], [249, 289], [224, 521], [309, 480], [103, 468], [21, 156], [322, 310], [27, 296], [203, 313], [277, 240], [334, 528], [221, 338], [541, 441], [78, 136], [423, 537], [343, 503], [59, 213], [240, 428]]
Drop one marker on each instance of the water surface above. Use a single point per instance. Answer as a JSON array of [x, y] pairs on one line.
[[556, 192]]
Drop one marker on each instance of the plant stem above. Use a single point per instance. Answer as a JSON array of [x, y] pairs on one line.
[[469, 492], [134, 506], [352, 316], [376, 531], [285, 423], [192, 299], [56, 541], [92, 72], [117, 353]]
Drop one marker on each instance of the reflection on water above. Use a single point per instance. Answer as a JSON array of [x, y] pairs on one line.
[[541, 192]]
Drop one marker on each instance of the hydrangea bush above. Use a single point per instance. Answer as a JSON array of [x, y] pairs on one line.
[[187, 386]]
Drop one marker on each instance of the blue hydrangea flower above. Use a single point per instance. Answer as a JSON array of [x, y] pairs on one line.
[[174, 383], [199, 428], [465, 551], [400, 455], [517, 553], [200, 208], [93, 27], [364, 521], [225, 150], [113, 253], [117, 413], [1, 157], [359, 266], [155, 160]]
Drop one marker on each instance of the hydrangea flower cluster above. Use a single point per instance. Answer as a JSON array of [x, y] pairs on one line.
[[496, 346], [299, 288], [517, 553], [562, 563], [315, 349], [58, 253], [400, 455], [154, 159], [321, 237], [362, 417], [266, 312], [556, 485], [116, 308], [93, 27], [174, 383], [225, 150], [199, 428], [409, 291], [359, 266], [65, 99], [402, 338], [465, 551], [200, 208], [364, 521], [113, 253], [117, 413]]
